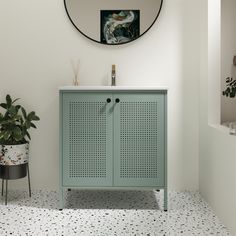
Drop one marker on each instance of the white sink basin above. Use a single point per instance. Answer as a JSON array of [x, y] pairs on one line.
[[113, 88]]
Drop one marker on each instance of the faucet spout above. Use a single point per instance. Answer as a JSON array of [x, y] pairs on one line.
[[113, 75]]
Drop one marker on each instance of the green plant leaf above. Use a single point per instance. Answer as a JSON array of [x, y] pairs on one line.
[[17, 134], [18, 138], [15, 100], [3, 105], [7, 135], [9, 100], [35, 117], [230, 90], [17, 130], [33, 125], [18, 107], [228, 80], [31, 115], [24, 112], [232, 83], [5, 122], [27, 124], [12, 110], [11, 127], [2, 134], [23, 131], [28, 135], [18, 117]]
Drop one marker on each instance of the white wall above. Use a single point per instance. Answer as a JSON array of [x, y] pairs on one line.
[[36, 44], [228, 51], [217, 160], [214, 63]]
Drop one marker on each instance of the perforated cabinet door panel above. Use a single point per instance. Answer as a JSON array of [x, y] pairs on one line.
[[87, 139], [139, 141]]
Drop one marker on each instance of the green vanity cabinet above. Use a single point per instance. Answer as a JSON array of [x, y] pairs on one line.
[[113, 138]]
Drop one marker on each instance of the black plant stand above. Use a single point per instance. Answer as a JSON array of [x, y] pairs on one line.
[[14, 172]]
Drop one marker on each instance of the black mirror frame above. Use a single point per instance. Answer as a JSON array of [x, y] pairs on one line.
[[118, 43]]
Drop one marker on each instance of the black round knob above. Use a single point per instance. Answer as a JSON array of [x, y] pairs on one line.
[[117, 100], [108, 100]]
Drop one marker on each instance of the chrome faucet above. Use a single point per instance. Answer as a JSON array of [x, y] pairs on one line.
[[113, 75]]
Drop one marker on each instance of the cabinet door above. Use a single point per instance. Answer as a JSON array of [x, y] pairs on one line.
[[87, 139], [139, 139]]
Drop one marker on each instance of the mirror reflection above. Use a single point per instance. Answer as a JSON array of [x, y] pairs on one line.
[[113, 21]]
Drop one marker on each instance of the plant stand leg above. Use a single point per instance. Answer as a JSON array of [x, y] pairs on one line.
[[2, 186], [165, 198], [29, 179], [61, 199], [6, 192]]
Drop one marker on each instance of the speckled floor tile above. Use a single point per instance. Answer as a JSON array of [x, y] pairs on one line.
[[102, 213]]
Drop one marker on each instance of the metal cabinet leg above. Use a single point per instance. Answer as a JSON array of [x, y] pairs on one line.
[[61, 199], [2, 186], [29, 179], [6, 192], [165, 199]]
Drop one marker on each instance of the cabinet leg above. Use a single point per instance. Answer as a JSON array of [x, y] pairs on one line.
[[165, 199], [61, 199], [6, 192], [29, 180], [2, 186]]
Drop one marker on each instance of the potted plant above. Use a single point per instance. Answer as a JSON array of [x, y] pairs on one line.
[[14, 138], [230, 90]]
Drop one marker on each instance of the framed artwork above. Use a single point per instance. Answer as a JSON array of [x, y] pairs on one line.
[[119, 26]]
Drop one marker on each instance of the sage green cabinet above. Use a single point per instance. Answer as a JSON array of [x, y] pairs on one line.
[[113, 139]]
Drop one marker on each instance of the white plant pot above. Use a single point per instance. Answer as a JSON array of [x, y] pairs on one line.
[[14, 154]]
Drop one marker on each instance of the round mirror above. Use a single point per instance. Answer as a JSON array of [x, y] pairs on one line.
[[113, 21]]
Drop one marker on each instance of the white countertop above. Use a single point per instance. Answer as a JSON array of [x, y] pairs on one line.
[[113, 88]]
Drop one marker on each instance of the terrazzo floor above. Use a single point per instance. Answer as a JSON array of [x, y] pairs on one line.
[[101, 213]]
